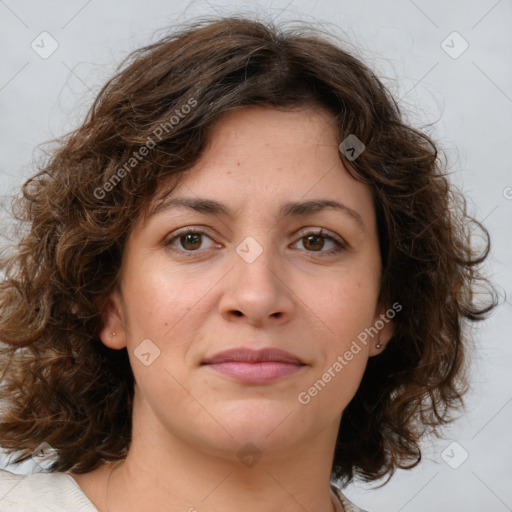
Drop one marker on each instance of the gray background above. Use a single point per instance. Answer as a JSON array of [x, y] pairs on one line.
[[467, 99]]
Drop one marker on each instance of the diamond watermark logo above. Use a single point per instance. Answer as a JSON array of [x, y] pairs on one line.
[[351, 147], [454, 455], [249, 455], [146, 352], [44, 45], [249, 249], [454, 45]]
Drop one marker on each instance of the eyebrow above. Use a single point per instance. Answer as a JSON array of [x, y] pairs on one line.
[[289, 209], [307, 207]]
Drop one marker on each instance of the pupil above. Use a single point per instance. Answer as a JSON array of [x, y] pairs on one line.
[[314, 242], [191, 241]]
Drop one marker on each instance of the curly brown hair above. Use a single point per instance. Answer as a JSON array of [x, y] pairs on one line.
[[61, 385]]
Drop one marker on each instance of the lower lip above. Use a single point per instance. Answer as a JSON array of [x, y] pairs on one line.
[[256, 373]]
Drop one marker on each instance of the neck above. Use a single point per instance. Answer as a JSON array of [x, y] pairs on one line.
[[167, 472]]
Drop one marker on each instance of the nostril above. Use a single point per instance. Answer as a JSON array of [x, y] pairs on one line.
[[238, 313]]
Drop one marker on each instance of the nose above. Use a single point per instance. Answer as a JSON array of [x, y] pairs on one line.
[[257, 292]]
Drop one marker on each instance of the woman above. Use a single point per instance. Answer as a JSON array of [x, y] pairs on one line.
[[244, 276]]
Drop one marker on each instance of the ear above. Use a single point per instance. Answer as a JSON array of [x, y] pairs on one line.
[[384, 327], [113, 331]]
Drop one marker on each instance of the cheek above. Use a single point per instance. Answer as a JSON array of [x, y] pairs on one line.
[[161, 299], [347, 305], [330, 393], [170, 308]]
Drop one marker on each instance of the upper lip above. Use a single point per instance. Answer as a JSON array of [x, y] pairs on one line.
[[248, 355]]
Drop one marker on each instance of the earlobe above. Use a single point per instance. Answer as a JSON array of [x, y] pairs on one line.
[[112, 332], [383, 323]]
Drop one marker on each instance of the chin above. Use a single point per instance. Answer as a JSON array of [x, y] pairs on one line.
[[265, 424]]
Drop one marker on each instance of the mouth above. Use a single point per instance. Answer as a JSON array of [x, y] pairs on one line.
[[255, 366]]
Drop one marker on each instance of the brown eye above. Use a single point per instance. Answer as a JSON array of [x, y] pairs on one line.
[[314, 242], [320, 242], [188, 241], [191, 241]]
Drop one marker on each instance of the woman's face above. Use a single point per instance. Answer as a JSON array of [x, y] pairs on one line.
[[267, 242]]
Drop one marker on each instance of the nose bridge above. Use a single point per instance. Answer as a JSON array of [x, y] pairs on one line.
[[256, 290], [254, 261]]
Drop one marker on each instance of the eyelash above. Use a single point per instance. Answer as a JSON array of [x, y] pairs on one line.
[[339, 246]]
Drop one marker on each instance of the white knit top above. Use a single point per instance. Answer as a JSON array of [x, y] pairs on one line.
[[59, 492]]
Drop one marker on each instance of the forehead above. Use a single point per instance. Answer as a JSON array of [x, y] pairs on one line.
[[261, 158], [307, 125]]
